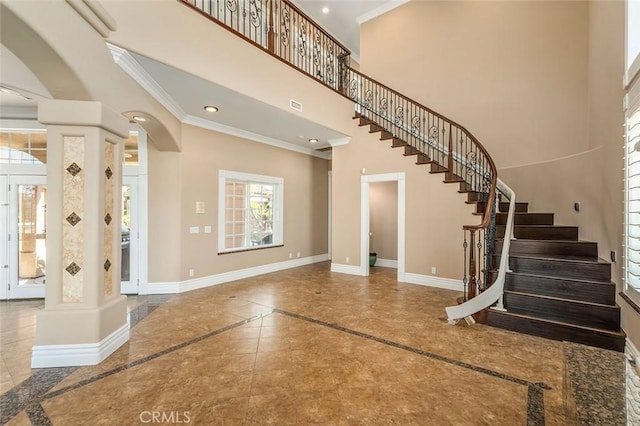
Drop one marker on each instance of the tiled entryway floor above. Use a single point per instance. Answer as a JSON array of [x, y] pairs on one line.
[[297, 347]]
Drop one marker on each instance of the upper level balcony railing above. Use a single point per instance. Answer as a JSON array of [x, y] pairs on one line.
[[283, 30]]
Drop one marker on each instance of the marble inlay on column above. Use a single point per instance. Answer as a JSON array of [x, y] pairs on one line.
[[72, 225], [109, 192]]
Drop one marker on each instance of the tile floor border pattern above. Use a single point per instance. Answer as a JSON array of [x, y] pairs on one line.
[[535, 397], [28, 394]]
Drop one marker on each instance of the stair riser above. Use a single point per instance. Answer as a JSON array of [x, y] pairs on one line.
[[504, 207], [585, 292], [607, 318], [556, 331], [600, 272], [541, 233], [476, 196], [364, 121], [526, 219], [568, 248]]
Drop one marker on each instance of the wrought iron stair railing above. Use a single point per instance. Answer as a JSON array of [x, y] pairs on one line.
[[284, 31]]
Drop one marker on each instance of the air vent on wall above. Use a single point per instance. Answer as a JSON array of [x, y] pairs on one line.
[[295, 105]]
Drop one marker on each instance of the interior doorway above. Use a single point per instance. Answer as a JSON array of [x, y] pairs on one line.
[[365, 214]]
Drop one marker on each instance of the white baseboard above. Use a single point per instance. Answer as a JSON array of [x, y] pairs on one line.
[[46, 356], [346, 269], [164, 287], [387, 263], [211, 280], [431, 281]]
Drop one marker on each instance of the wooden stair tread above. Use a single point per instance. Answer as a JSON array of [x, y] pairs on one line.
[[554, 322], [561, 258], [561, 299], [575, 280]]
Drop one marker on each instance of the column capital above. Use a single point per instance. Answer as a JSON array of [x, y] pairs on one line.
[[82, 113]]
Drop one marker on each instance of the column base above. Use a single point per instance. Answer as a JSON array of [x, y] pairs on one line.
[[59, 344]]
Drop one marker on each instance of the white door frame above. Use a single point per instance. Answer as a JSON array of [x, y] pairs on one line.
[[4, 240], [329, 217], [365, 180]]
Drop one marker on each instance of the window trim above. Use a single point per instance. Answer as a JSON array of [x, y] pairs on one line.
[[631, 107], [278, 208]]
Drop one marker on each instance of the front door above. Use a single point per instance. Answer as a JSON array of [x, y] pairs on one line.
[[27, 252], [129, 243]]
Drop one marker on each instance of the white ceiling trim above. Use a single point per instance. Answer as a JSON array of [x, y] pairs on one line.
[[133, 68], [339, 141], [380, 11], [233, 131], [19, 112]]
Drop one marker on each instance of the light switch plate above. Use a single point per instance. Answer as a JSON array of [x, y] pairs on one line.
[[207, 229], [194, 230], [199, 207]]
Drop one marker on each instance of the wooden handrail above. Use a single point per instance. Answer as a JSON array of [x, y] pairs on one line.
[[494, 175]]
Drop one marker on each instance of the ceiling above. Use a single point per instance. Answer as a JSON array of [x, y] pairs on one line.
[[186, 94]]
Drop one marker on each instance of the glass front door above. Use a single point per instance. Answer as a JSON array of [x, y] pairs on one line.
[[27, 237], [129, 242], [23, 251]]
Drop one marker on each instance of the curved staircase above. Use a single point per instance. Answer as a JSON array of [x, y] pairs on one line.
[[557, 286]]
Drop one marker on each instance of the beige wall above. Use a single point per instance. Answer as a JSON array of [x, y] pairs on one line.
[[165, 215], [514, 73], [305, 200], [383, 219], [435, 212]]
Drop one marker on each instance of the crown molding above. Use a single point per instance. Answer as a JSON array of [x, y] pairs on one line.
[[381, 10], [18, 112], [133, 68], [339, 141], [222, 128]]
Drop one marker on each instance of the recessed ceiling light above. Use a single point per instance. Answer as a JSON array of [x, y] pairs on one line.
[[211, 108], [313, 140], [325, 10], [139, 118]]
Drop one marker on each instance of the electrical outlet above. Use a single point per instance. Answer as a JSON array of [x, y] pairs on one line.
[[433, 270], [347, 260], [298, 255], [191, 272], [290, 255]]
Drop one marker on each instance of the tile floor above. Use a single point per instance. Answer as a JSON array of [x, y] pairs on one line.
[[307, 346]]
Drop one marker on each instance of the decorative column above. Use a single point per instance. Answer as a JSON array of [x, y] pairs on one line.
[[85, 316]]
